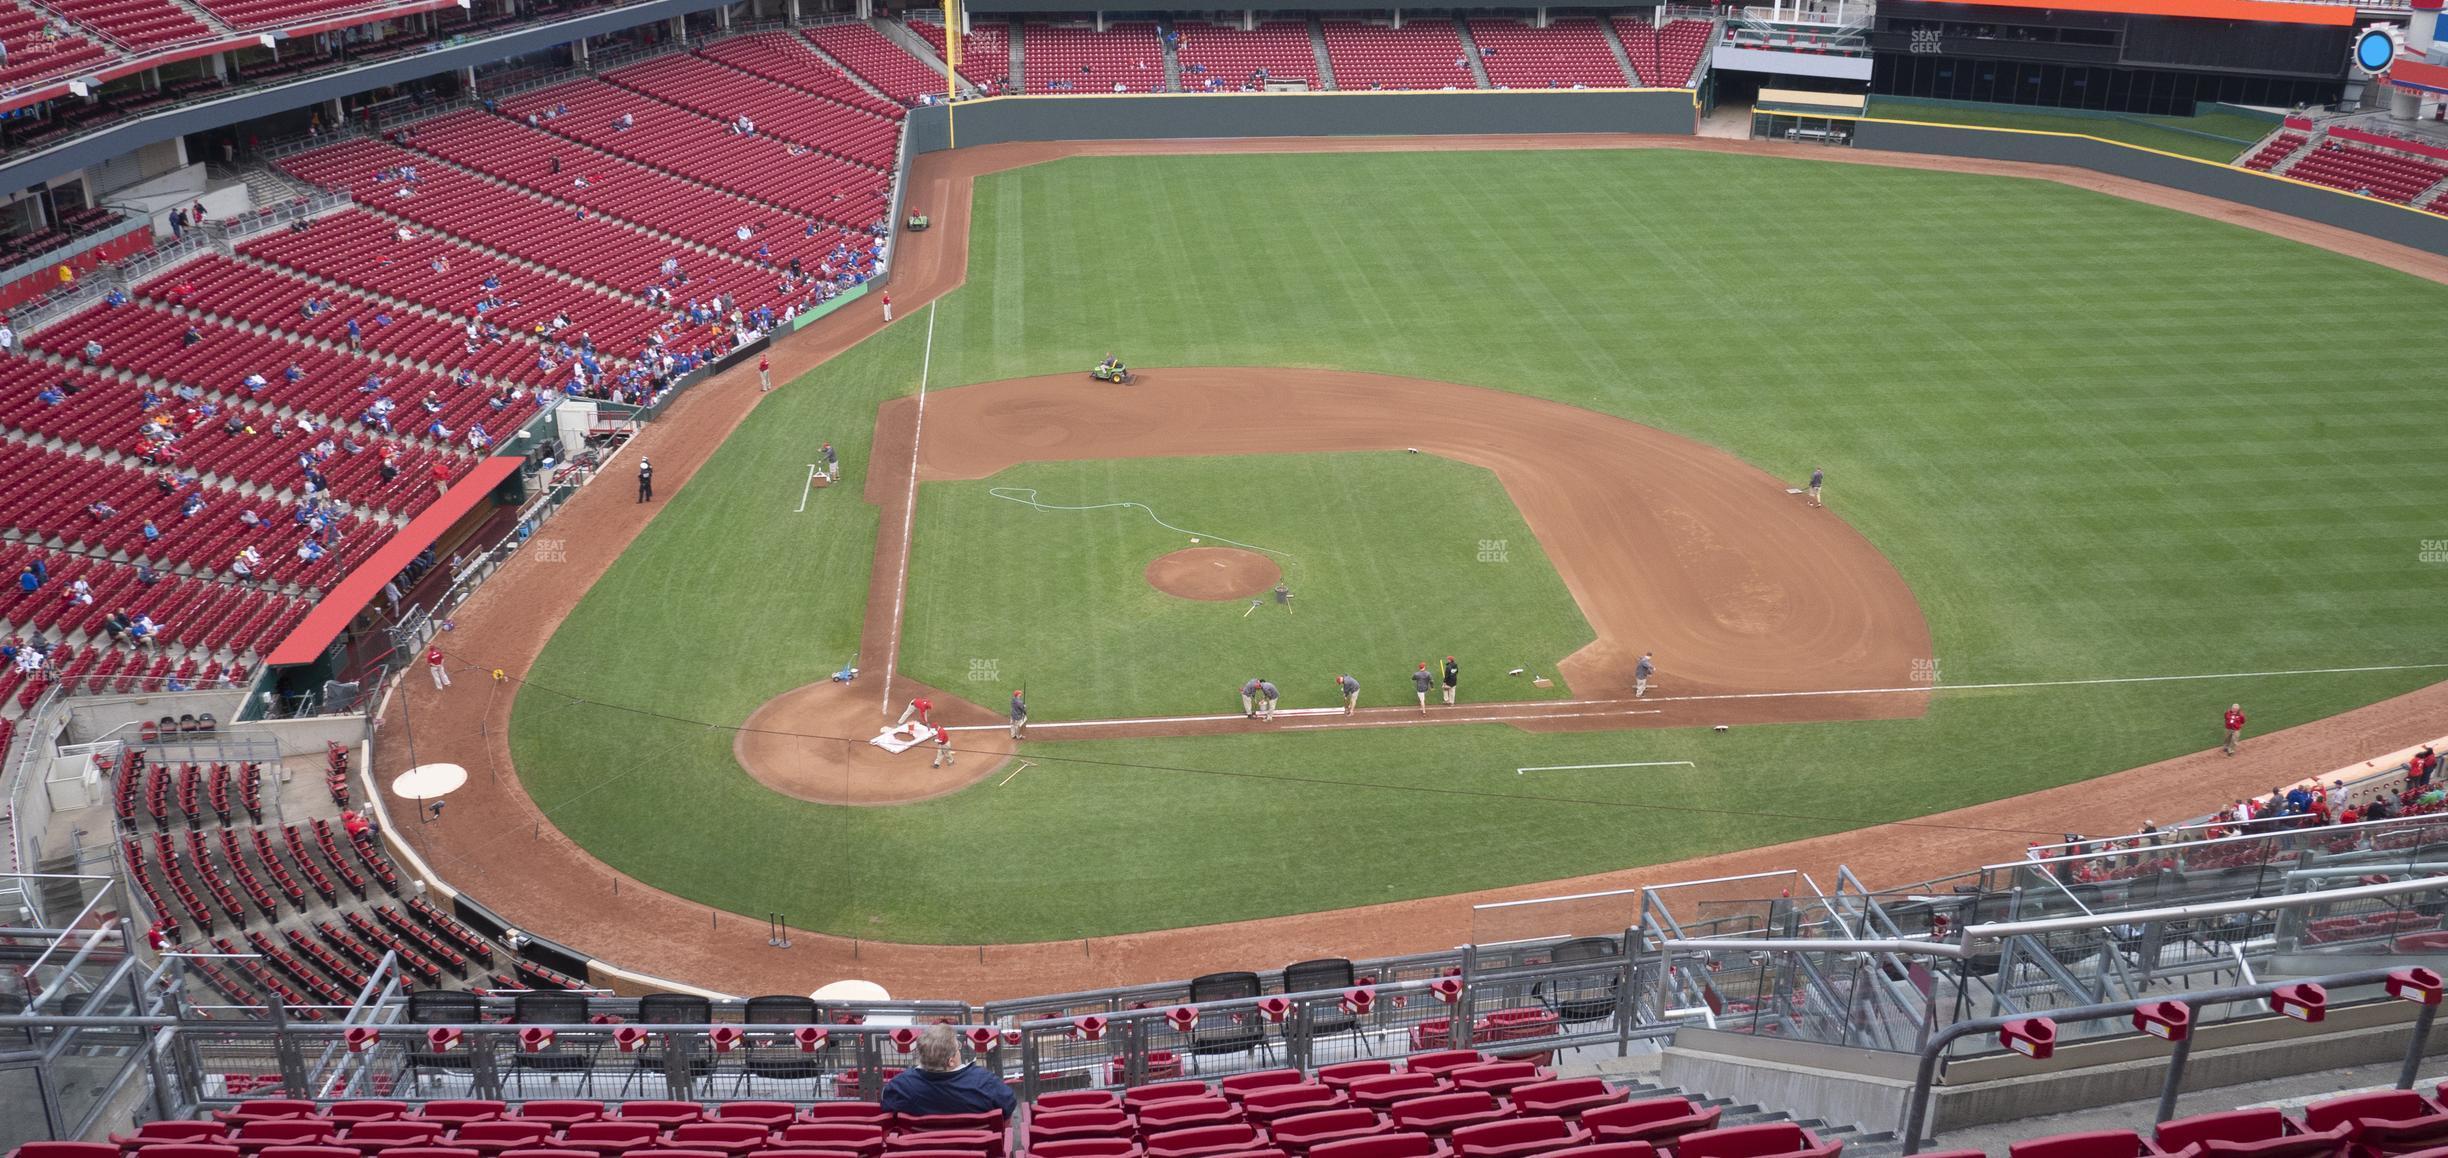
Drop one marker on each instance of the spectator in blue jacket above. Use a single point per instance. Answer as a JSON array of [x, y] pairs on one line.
[[941, 1084]]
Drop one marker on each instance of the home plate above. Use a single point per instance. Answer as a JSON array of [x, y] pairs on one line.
[[904, 737]]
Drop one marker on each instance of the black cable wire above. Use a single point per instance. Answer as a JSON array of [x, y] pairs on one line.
[[1312, 781]]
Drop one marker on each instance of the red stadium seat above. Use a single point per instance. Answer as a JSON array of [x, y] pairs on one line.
[[362, 1110], [1439, 1115], [1658, 1121], [1395, 1145], [2386, 1122], [377, 1136], [1078, 1100], [1383, 1091], [266, 1108], [1056, 1125], [1767, 1138], [1498, 1077], [1517, 1138], [65, 1150], [864, 1113], [1305, 1132], [1140, 1097], [860, 1138], [667, 1114], [1341, 1075], [1624, 1150], [171, 1130], [459, 1111], [1239, 1086], [2091, 1144], [1205, 1141], [771, 1115], [253, 1136], [1085, 1148], [1443, 1061], [561, 1112], [1565, 1099], [1182, 1113], [2262, 1133], [1272, 1102], [733, 1138]]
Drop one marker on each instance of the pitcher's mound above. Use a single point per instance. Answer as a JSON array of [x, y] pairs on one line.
[[1216, 573]]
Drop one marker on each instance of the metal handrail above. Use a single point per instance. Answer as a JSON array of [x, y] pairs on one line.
[[1998, 930], [1916, 1111]]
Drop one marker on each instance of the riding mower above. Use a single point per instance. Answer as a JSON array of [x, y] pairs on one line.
[[1104, 373]]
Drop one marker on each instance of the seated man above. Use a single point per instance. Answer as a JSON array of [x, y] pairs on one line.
[[942, 1084]]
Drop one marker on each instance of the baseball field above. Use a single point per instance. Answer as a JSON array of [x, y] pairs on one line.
[[2125, 473]]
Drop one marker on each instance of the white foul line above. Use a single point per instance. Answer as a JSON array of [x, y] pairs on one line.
[[1542, 715], [2025, 684], [909, 512], [806, 487], [1576, 767], [1396, 723], [1137, 720]]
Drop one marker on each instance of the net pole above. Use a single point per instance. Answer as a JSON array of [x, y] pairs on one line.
[[952, 47]]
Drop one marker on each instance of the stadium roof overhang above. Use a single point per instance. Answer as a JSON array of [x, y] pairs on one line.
[[2340, 15], [34, 166], [314, 634]]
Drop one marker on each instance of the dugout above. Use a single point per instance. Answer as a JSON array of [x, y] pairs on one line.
[[1824, 118]]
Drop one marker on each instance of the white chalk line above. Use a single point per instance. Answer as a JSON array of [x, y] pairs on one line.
[[1553, 715], [1578, 767], [909, 510], [1027, 497], [805, 488], [1141, 720], [2027, 684], [1440, 718]]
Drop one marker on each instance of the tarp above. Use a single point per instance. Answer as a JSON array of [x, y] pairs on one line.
[[315, 633]]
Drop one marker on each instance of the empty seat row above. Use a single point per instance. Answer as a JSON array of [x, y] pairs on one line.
[[1219, 57], [876, 60], [1125, 57], [1422, 54], [985, 49], [1565, 54], [784, 58]]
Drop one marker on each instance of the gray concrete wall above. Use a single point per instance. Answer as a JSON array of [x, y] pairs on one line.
[[2425, 231], [1338, 114]]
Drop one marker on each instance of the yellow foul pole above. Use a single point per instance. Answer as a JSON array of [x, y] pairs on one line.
[[952, 47]]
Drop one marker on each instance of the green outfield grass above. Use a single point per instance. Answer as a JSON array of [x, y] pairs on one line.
[[2099, 439], [1382, 552], [2220, 137]]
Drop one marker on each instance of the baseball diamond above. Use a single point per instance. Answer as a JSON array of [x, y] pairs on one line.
[[1021, 421]]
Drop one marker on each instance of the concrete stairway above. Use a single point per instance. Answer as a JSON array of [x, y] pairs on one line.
[[1470, 52], [1623, 60], [1317, 44]]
